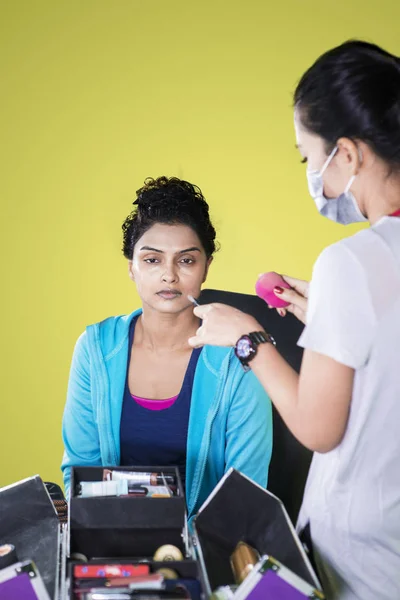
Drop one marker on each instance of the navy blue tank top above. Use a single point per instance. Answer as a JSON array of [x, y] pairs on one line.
[[156, 437]]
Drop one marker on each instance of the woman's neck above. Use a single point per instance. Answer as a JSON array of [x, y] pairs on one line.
[[383, 199], [165, 331]]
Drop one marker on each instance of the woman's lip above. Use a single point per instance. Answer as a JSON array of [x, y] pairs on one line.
[[169, 295]]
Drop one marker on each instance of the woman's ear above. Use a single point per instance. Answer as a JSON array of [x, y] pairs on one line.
[[349, 155], [209, 261], [130, 270]]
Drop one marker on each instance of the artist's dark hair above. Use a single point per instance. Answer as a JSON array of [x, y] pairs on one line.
[[171, 201], [353, 91]]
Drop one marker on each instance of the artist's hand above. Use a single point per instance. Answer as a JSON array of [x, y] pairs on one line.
[[222, 325], [297, 296]]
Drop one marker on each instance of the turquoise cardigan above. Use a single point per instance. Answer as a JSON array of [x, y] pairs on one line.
[[230, 423]]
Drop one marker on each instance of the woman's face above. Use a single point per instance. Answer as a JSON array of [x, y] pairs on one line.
[[312, 149], [168, 264]]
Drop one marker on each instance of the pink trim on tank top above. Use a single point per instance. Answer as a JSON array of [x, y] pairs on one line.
[[155, 404]]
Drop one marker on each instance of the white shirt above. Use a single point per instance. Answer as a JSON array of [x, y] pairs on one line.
[[352, 497]]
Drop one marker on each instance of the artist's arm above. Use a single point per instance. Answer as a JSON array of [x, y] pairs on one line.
[[337, 340]]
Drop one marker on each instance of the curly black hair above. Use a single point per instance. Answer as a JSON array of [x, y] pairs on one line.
[[171, 201]]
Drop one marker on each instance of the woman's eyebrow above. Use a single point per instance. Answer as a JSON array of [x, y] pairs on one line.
[[151, 249], [192, 249]]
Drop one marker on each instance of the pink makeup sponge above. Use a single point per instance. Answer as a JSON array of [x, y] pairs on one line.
[[265, 289]]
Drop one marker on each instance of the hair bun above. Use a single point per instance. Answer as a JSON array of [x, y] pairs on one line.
[[169, 201], [163, 194]]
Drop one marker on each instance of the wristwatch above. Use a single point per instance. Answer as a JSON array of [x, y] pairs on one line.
[[247, 346]]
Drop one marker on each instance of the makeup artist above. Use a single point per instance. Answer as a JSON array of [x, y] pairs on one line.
[[345, 404]]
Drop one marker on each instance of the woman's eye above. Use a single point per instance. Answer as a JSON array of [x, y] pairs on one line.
[[187, 261], [304, 160], [151, 261]]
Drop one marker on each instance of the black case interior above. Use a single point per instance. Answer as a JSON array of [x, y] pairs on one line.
[[186, 569], [240, 510], [111, 530], [29, 522], [123, 527]]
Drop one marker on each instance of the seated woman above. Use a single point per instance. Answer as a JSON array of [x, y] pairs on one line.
[[138, 394]]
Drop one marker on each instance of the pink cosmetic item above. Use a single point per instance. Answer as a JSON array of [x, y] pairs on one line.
[[265, 289]]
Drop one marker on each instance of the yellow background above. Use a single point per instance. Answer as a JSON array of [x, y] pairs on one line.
[[96, 95]]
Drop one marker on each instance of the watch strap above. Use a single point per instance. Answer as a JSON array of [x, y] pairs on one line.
[[261, 337]]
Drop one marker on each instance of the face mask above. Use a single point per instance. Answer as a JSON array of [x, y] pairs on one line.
[[343, 209]]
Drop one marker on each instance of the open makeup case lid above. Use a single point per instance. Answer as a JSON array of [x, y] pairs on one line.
[[240, 510], [29, 521], [271, 579]]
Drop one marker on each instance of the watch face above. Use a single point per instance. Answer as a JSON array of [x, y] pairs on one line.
[[244, 347]]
